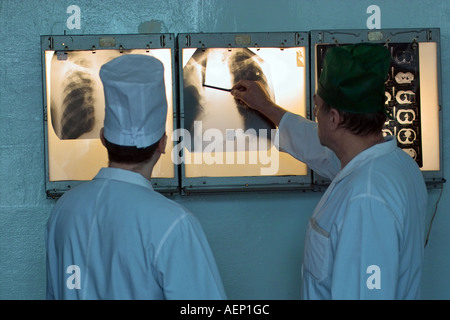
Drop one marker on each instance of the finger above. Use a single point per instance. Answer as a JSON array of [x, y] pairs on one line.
[[240, 85], [237, 92]]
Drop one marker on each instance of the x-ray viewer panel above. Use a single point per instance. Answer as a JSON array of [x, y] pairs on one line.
[[223, 137], [75, 112]]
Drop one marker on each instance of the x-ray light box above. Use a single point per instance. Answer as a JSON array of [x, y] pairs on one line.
[[223, 143], [412, 89], [74, 104]]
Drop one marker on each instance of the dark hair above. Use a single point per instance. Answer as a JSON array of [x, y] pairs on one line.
[[362, 124], [129, 155]]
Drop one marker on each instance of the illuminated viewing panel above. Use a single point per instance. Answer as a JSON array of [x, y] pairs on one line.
[[216, 142], [75, 112], [412, 94], [222, 137]]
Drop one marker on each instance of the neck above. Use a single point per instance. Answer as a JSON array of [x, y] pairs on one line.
[[351, 145], [144, 168]]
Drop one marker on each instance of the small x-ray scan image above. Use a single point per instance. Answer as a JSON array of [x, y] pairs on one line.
[[76, 110], [403, 99]]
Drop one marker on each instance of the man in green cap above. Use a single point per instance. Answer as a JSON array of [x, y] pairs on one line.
[[365, 237]]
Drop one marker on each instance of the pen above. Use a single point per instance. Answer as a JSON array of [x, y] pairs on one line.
[[223, 89]]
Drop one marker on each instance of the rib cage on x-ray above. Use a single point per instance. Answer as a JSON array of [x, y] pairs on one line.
[[78, 115], [77, 103], [235, 65]]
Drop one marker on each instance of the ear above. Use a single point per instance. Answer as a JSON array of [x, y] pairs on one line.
[[162, 144], [102, 137], [334, 119]]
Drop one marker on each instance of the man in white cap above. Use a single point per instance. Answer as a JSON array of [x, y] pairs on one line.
[[114, 237]]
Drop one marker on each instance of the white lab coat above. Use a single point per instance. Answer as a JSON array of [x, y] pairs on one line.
[[116, 238], [365, 239]]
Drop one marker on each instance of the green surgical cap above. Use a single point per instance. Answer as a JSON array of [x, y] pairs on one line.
[[353, 77]]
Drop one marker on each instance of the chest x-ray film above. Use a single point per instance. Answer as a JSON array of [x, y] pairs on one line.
[[76, 107], [223, 137], [411, 90]]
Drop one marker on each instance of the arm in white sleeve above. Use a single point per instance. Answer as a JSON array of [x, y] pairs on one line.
[[298, 137]]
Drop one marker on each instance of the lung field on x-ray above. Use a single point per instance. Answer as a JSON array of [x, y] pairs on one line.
[[77, 101], [244, 67], [217, 109], [75, 95], [78, 115]]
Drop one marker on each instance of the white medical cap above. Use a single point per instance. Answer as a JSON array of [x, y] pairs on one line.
[[135, 100]]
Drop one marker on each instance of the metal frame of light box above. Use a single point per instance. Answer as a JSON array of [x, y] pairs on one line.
[[118, 42], [433, 179], [242, 40]]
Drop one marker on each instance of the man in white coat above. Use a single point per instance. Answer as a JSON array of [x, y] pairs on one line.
[[114, 237], [365, 237]]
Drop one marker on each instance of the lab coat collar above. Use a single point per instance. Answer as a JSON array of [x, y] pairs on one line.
[[124, 176], [367, 155]]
